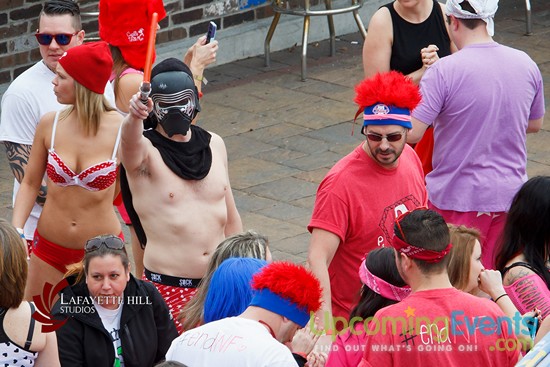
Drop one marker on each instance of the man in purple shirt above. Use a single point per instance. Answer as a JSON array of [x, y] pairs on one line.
[[481, 102]]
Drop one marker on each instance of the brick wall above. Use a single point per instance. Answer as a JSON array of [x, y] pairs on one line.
[[186, 18]]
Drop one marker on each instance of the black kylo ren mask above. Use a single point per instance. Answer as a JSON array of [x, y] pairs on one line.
[[174, 96]]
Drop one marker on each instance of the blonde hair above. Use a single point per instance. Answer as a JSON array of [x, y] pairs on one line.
[[13, 266], [463, 240], [89, 107], [245, 244]]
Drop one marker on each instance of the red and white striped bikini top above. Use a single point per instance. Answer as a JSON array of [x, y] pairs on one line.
[[95, 178]]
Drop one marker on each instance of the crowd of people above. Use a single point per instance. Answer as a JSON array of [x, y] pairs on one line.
[[430, 254]]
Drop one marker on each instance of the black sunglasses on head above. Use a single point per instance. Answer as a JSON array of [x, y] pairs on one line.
[[62, 39], [110, 241]]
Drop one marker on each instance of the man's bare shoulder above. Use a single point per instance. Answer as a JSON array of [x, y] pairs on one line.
[[215, 137], [216, 142]]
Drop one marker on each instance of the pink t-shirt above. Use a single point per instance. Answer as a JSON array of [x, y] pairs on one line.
[[441, 327], [358, 200], [348, 348]]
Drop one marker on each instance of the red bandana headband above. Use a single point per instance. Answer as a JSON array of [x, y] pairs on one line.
[[419, 253], [380, 286], [415, 252]]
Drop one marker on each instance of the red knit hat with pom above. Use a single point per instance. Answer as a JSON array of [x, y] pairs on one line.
[[387, 99], [288, 290], [126, 24], [90, 64]]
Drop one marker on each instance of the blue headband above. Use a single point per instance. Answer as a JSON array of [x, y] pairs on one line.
[[382, 114], [264, 298]]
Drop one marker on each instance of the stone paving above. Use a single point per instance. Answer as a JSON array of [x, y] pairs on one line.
[[283, 135]]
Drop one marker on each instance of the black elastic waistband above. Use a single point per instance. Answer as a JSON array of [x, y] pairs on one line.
[[171, 280]]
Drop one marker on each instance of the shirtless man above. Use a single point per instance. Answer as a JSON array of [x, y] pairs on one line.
[[178, 177]]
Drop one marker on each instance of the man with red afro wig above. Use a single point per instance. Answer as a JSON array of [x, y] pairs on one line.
[[360, 197], [285, 295]]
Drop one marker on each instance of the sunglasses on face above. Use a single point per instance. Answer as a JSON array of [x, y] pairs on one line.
[[392, 138], [110, 241], [62, 39]]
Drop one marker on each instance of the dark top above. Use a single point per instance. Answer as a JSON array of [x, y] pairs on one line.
[[410, 38], [146, 328], [12, 352]]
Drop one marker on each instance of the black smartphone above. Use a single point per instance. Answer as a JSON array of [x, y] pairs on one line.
[[211, 33]]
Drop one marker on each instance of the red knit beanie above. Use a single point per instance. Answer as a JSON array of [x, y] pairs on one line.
[[90, 64], [126, 23]]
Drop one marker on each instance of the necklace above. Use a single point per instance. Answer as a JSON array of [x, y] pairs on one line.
[[268, 328]]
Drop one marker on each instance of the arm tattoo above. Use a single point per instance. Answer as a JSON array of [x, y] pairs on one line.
[[520, 273], [18, 157]]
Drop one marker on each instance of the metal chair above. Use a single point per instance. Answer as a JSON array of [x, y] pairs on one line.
[[528, 30], [93, 15], [307, 12]]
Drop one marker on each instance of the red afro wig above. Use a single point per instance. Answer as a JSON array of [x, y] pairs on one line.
[[292, 282], [391, 88]]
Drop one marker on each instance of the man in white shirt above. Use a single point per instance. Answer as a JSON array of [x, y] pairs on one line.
[[284, 296]]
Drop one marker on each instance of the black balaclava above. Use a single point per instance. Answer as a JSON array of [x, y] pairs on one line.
[[175, 97]]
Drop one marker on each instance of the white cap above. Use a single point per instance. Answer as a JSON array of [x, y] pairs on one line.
[[485, 10]]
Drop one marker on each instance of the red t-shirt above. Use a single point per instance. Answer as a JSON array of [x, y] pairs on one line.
[[413, 332], [358, 200]]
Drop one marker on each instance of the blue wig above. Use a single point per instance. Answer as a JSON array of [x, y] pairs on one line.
[[230, 292]]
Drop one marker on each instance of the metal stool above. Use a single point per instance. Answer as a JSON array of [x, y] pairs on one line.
[[528, 30], [306, 12]]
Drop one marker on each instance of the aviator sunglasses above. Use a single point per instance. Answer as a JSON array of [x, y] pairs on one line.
[[392, 138], [62, 39], [109, 241]]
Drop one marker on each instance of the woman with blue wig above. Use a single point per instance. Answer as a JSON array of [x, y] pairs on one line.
[[229, 293]]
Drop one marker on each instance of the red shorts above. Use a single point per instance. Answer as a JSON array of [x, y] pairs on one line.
[[55, 255], [424, 149], [175, 291], [124, 214]]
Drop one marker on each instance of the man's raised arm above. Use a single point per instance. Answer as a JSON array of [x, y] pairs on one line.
[[133, 147]]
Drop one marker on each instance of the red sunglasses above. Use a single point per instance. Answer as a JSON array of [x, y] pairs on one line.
[[62, 39]]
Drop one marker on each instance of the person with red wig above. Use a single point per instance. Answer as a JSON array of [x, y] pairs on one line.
[[360, 197], [284, 295]]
